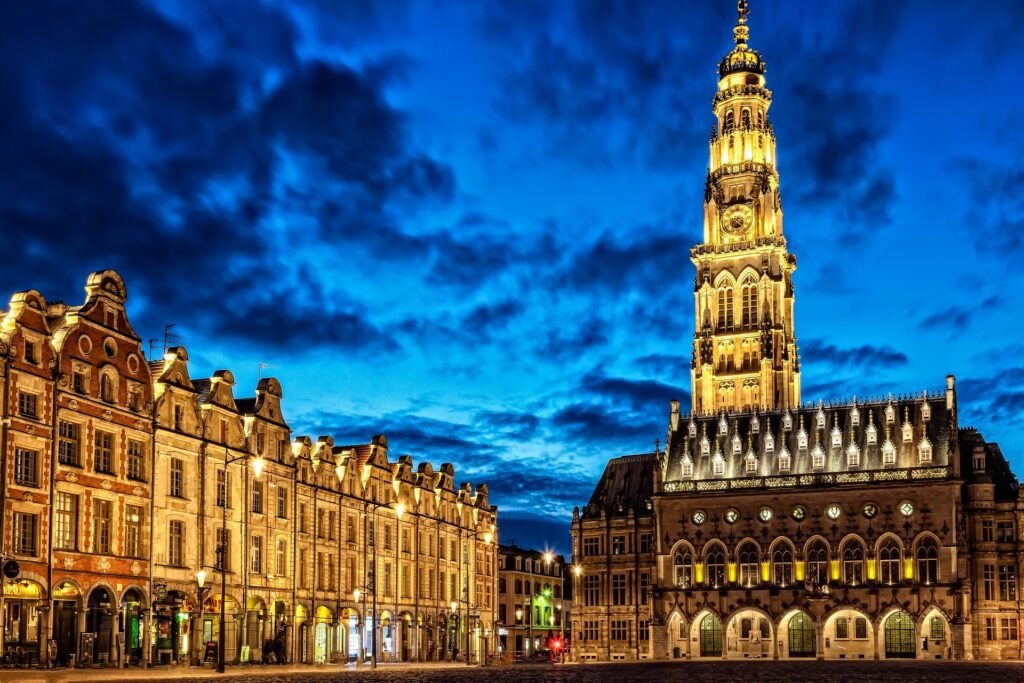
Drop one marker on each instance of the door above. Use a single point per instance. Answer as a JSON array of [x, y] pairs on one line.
[[711, 636], [900, 637], [64, 631], [801, 636]]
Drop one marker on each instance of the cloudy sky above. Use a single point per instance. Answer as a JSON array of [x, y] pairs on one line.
[[466, 224]]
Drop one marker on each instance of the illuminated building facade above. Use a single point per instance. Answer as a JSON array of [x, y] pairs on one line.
[[534, 597], [769, 528], [124, 480]]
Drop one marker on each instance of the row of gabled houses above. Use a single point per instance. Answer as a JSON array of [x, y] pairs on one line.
[[127, 483]]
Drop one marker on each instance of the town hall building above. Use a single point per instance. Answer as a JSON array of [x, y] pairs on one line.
[[769, 527]]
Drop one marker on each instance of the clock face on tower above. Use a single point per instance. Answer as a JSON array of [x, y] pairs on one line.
[[737, 220]]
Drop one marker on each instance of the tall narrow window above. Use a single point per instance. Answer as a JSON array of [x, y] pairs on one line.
[[684, 569], [103, 452], [26, 467], [136, 460], [282, 503], [222, 488], [101, 526], [175, 543], [106, 389], [927, 561], [66, 522], [749, 302], [69, 445], [26, 531], [817, 564], [257, 497], [282, 557], [28, 405], [133, 531], [730, 122], [177, 479], [725, 302], [782, 566], [256, 554]]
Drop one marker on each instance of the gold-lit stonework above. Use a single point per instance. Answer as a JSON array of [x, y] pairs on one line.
[[744, 348]]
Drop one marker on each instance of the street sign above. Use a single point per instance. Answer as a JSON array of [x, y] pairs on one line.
[[11, 569]]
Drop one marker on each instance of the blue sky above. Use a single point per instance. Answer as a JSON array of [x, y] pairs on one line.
[[467, 224]]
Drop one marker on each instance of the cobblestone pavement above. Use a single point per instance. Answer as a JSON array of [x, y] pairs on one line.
[[659, 672]]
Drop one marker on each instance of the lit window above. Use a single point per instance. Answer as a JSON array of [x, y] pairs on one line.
[[769, 443], [687, 467], [718, 465], [699, 517], [799, 512], [870, 510], [924, 451], [731, 515], [837, 437], [817, 457], [764, 514], [888, 453], [906, 508], [784, 460], [833, 511], [853, 455]]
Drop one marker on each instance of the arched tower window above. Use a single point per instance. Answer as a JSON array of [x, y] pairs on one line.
[[730, 122], [745, 118], [817, 564], [927, 561], [725, 314], [714, 565], [748, 557], [853, 563], [749, 301], [106, 388], [889, 562], [684, 569], [760, 119]]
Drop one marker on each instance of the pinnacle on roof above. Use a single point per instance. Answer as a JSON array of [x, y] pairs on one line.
[[742, 57]]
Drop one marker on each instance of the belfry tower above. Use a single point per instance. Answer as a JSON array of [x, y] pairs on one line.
[[744, 347]]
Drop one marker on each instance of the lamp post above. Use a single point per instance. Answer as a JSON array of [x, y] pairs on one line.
[[361, 591], [549, 558], [200, 594], [371, 580], [222, 550], [399, 511]]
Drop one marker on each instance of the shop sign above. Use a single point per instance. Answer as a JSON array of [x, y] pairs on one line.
[[22, 589]]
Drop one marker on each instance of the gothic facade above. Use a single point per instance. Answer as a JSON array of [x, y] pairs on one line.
[[125, 479], [771, 528]]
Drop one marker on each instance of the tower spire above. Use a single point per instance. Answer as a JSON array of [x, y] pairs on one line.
[[741, 33]]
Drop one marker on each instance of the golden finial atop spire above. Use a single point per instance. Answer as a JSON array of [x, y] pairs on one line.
[[741, 33]]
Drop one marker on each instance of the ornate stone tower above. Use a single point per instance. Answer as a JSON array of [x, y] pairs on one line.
[[744, 349]]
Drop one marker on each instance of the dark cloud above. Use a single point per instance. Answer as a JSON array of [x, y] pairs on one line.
[[536, 531], [510, 424], [664, 364], [640, 396], [134, 148], [953, 318], [819, 351], [996, 210], [996, 399], [592, 423], [571, 339]]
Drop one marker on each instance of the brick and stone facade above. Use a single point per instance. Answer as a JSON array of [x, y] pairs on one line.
[[123, 478]]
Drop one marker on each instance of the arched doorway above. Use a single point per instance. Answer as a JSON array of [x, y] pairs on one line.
[[211, 624], [132, 605], [387, 637], [935, 636], [350, 618], [255, 616], [801, 639], [405, 637], [99, 621], [676, 636], [749, 635], [849, 634], [66, 597], [279, 630], [302, 629], [900, 636], [322, 635], [711, 636]]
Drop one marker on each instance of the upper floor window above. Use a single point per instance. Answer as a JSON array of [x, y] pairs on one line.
[[730, 122], [817, 457], [718, 465], [769, 443], [888, 453], [725, 311], [26, 467], [745, 118], [927, 561], [31, 352], [177, 478], [853, 563], [136, 463], [852, 455], [784, 460], [68, 444], [687, 467], [924, 451], [683, 570], [889, 562], [103, 452], [837, 437], [28, 404], [749, 294], [106, 388]]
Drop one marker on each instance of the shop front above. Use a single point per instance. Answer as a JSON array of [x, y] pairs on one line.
[[255, 618], [322, 635], [24, 602], [211, 625], [67, 601], [348, 634], [132, 617], [279, 629], [172, 612], [302, 631], [98, 644]]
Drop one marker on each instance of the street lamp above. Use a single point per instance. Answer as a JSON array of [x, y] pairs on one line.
[[201, 583], [371, 579], [361, 591], [222, 551], [549, 557]]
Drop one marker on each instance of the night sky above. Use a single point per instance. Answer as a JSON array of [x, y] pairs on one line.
[[467, 225]]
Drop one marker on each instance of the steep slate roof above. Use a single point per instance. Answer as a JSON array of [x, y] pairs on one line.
[[997, 468], [925, 413], [627, 484]]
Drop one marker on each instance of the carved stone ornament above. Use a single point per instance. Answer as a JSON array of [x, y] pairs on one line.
[[138, 491], [107, 415], [27, 496], [73, 404], [106, 485], [104, 565], [136, 568], [139, 424], [70, 476], [30, 428], [148, 408], [68, 561], [63, 379]]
